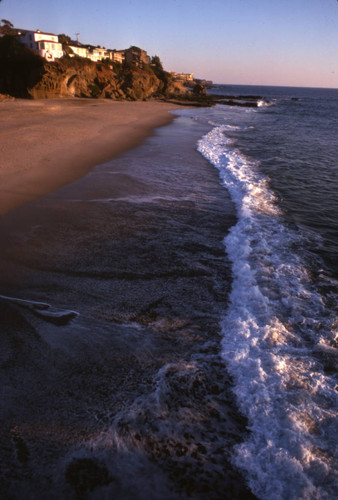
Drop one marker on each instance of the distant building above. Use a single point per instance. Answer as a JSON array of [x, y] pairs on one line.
[[45, 44], [117, 55], [182, 77], [136, 56]]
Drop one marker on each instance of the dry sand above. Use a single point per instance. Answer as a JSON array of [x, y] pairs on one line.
[[46, 144]]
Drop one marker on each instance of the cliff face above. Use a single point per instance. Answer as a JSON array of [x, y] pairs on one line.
[[76, 78], [24, 74]]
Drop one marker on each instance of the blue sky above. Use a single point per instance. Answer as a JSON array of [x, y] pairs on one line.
[[264, 42]]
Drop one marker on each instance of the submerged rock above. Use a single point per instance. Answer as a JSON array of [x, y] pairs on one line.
[[85, 474]]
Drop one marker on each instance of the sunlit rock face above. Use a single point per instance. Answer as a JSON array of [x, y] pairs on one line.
[[25, 74]]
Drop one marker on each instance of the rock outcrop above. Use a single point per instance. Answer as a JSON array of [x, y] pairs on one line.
[[76, 77], [25, 74]]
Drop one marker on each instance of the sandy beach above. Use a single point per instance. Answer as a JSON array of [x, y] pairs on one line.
[[45, 144], [111, 291]]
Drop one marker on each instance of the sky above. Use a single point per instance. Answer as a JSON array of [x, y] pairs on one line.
[[249, 42]]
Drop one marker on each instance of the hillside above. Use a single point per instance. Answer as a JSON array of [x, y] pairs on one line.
[[25, 74]]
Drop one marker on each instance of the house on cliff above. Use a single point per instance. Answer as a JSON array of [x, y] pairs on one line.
[[136, 56], [77, 49], [45, 44], [117, 55], [97, 53], [182, 77]]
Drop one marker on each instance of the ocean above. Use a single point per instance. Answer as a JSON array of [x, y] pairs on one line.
[[279, 163], [169, 321]]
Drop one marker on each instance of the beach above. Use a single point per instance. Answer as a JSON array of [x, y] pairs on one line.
[[45, 144], [168, 314], [112, 290]]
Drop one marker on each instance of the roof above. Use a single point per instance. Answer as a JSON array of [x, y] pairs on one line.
[[24, 31], [49, 41]]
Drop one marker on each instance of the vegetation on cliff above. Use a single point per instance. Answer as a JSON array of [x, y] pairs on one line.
[[20, 68]]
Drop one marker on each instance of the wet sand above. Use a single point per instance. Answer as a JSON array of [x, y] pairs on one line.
[[45, 144], [112, 384]]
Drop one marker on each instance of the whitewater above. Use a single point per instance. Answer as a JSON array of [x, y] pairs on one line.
[[278, 335]]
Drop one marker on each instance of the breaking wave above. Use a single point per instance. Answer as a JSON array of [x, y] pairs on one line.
[[278, 340], [264, 104]]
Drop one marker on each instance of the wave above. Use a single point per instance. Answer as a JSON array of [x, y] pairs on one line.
[[264, 104], [274, 335]]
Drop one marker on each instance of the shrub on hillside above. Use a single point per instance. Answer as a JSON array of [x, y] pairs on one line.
[[20, 67], [157, 67]]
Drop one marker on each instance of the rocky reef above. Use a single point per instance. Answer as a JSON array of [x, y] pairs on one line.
[[25, 74]]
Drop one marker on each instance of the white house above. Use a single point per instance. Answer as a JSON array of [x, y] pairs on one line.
[[79, 50], [97, 53], [46, 44], [117, 55]]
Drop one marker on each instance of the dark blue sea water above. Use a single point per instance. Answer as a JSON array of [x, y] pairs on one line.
[[294, 138], [279, 163]]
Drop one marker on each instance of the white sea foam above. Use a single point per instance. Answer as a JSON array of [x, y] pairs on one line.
[[274, 333], [262, 103]]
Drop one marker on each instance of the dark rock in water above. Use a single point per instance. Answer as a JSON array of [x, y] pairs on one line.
[[248, 97], [248, 101], [239, 97], [85, 474], [22, 451], [241, 103]]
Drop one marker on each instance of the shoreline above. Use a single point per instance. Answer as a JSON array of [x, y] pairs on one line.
[[46, 144], [110, 308]]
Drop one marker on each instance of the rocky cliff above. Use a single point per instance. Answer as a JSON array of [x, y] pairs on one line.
[[25, 74]]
